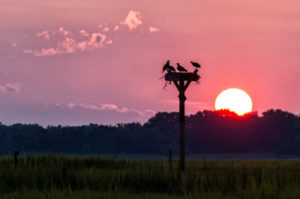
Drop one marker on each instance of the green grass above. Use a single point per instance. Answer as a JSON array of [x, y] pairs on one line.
[[49, 176]]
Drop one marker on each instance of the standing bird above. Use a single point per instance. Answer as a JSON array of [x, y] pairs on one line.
[[195, 64], [171, 68], [166, 66], [181, 68]]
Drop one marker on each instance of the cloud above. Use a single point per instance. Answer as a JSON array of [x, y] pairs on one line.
[[46, 52], [116, 28], [28, 51], [152, 29], [108, 107], [82, 45], [64, 32], [84, 33], [133, 20], [106, 29], [44, 34], [63, 43], [70, 46], [11, 88], [14, 44], [84, 113], [96, 40]]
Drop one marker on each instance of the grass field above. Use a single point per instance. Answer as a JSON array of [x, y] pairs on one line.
[[49, 176]]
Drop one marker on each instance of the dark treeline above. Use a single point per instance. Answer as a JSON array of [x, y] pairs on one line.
[[207, 132]]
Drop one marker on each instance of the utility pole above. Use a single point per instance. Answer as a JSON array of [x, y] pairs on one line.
[[182, 81]]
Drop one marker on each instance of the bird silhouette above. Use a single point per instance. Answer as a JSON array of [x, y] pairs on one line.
[[171, 68], [166, 66], [181, 68], [195, 64]]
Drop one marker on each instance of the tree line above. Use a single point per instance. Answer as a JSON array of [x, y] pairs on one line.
[[207, 132]]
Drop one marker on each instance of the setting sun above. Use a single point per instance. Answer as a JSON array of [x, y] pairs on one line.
[[235, 100]]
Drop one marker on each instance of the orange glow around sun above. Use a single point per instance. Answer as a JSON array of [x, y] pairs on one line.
[[235, 100]]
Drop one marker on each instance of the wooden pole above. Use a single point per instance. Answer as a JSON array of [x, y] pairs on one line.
[[179, 79], [182, 99], [170, 159], [16, 154]]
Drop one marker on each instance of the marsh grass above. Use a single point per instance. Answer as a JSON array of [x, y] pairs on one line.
[[50, 176]]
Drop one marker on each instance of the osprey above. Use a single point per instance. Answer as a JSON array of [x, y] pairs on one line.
[[195, 64], [171, 68], [166, 66], [181, 68]]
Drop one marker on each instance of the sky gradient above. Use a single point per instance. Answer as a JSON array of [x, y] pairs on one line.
[[80, 62]]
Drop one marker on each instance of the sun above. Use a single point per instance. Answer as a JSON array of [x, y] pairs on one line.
[[235, 100]]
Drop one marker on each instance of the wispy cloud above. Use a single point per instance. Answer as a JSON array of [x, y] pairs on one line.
[[106, 29], [70, 45], [45, 34], [63, 31], [116, 28], [62, 41], [27, 51], [45, 52], [109, 42], [152, 29], [11, 87], [14, 44], [84, 33], [108, 107], [133, 20], [85, 113]]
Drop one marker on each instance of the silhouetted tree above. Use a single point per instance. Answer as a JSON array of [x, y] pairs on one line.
[[276, 131]]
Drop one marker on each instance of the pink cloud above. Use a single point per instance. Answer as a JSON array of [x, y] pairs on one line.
[[68, 45], [82, 45], [116, 28], [11, 87], [152, 29], [96, 40], [84, 33], [71, 105], [14, 44], [44, 34], [28, 51], [46, 52], [133, 20], [64, 32], [106, 29], [108, 107]]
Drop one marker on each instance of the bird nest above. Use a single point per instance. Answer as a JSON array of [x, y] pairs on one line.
[[178, 76]]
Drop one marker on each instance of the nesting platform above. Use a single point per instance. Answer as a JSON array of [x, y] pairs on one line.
[[185, 76]]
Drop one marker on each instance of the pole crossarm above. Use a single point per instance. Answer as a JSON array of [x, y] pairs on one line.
[[177, 85], [187, 85]]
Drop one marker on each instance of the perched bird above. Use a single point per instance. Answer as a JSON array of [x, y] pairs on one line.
[[171, 68], [195, 64], [181, 68], [166, 66]]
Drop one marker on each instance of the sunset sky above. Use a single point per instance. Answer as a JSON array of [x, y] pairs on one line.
[[79, 62]]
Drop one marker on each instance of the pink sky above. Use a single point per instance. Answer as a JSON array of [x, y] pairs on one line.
[[77, 62]]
